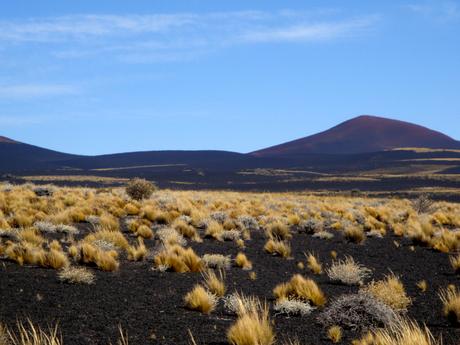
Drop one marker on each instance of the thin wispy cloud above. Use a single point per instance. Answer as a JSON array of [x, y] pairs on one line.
[[171, 37], [35, 90], [439, 10]]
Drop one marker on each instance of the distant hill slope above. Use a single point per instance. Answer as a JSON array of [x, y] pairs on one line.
[[363, 134], [16, 156]]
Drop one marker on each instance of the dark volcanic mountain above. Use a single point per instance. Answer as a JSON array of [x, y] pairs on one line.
[[360, 135]]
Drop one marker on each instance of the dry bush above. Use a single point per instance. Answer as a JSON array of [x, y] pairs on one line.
[[355, 234], [56, 259], [30, 236], [278, 231], [348, 272], [139, 189], [334, 333], [215, 283], [293, 307], [242, 261], [178, 259], [423, 204], [324, 235], [201, 300], [403, 332], [237, 303], [218, 261], [357, 312], [253, 326], [76, 275], [300, 288], [279, 248], [313, 263], [30, 334], [231, 235], [450, 298], [139, 252], [390, 291]]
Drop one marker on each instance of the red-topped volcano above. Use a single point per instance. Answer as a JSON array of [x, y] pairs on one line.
[[6, 140], [363, 134]]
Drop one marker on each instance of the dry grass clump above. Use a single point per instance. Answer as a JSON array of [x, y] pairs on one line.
[[450, 298], [390, 291], [185, 229], [422, 285], [218, 261], [144, 231], [139, 252], [76, 275], [279, 231], [355, 234], [455, 262], [214, 230], [178, 259], [334, 333], [139, 189], [215, 283], [56, 259], [253, 326], [348, 272], [403, 332], [30, 334], [88, 253], [313, 263], [242, 261], [200, 299], [300, 288], [279, 248], [114, 237]]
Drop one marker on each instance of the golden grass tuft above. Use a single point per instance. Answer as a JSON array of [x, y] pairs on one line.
[[334, 333], [144, 231], [355, 234], [137, 253], [56, 259], [185, 229], [178, 259], [30, 334], [104, 260], [214, 230], [114, 237], [450, 298], [279, 248], [390, 291], [422, 285], [253, 326], [242, 261], [201, 300], [313, 263], [215, 283], [403, 332], [300, 288], [455, 262], [278, 231]]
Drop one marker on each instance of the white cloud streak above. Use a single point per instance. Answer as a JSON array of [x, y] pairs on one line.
[[35, 90], [181, 36], [438, 10]]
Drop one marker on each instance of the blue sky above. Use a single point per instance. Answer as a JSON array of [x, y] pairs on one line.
[[106, 76]]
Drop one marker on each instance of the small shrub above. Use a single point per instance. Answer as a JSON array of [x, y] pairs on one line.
[[137, 253], [324, 235], [76, 275], [355, 234], [178, 259], [278, 231], [293, 307], [422, 285], [357, 312], [217, 261], [139, 189], [348, 272], [201, 300], [455, 262]]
